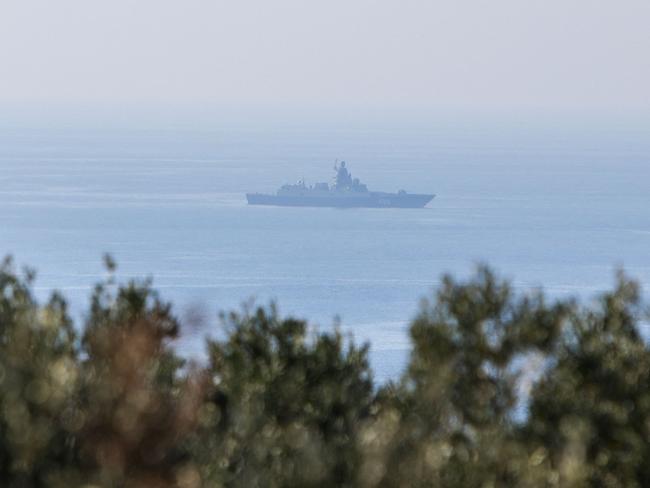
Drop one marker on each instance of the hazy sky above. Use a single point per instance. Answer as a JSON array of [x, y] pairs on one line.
[[506, 54]]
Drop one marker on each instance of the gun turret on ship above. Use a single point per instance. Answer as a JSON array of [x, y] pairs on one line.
[[344, 192]]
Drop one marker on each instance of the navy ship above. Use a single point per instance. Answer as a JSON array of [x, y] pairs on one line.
[[345, 192]]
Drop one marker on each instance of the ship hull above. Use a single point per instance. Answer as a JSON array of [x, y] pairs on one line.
[[363, 200]]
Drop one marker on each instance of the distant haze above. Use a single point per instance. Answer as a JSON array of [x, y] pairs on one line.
[[497, 54]]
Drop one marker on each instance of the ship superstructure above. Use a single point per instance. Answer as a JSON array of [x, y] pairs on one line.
[[344, 192]]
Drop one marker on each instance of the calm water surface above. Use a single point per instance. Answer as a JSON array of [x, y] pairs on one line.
[[556, 207]]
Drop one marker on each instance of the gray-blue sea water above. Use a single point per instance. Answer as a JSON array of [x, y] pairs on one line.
[[558, 206]]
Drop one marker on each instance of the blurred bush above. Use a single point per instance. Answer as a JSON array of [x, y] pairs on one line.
[[501, 389]]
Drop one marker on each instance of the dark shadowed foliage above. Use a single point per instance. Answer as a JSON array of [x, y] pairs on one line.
[[501, 389]]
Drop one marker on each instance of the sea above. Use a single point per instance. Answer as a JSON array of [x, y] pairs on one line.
[[552, 204]]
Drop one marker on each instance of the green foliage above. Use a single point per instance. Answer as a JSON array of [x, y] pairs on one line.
[[38, 378], [501, 389], [288, 405], [592, 410], [453, 410]]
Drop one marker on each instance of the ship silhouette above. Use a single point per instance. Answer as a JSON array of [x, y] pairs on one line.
[[345, 192]]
